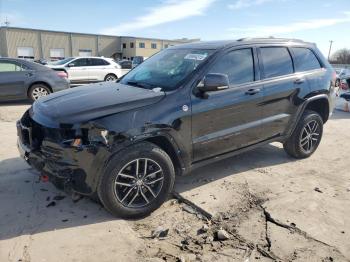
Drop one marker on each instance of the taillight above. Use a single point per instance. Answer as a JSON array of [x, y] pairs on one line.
[[62, 74]]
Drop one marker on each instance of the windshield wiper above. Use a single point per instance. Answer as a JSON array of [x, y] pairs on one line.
[[142, 85]]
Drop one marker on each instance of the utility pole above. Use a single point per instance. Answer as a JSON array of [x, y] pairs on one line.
[[330, 48]]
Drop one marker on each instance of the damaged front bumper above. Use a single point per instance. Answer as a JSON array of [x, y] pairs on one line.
[[72, 169]]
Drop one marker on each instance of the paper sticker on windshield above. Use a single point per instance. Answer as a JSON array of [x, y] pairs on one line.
[[199, 57]]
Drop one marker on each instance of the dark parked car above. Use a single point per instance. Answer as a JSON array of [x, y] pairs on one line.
[[21, 79], [125, 64], [182, 108]]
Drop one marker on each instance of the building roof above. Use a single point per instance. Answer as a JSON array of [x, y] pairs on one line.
[[183, 40]]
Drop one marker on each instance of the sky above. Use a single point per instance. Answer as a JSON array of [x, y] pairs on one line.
[[317, 21]]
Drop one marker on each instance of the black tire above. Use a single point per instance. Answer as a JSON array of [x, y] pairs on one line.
[[111, 78], [306, 136], [110, 192], [38, 90]]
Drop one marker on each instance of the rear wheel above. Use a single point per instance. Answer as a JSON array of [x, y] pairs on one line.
[[137, 181], [37, 91], [111, 78], [306, 136]]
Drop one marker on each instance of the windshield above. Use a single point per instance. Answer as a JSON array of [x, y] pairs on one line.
[[62, 62], [167, 69]]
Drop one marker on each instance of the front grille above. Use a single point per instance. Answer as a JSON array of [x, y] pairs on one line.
[[30, 132]]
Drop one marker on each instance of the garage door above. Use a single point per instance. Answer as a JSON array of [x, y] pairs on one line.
[[56, 53], [25, 52]]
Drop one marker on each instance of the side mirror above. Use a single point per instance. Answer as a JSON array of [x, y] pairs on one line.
[[71, 65], [214, 82]]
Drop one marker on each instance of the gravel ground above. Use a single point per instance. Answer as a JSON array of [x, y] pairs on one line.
[[268, 206]]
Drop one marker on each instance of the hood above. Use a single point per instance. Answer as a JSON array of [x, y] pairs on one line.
[[84, 103]]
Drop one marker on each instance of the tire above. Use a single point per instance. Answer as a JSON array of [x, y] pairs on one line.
[[306, 136], [125, 196], [111, 78], [37, 91]]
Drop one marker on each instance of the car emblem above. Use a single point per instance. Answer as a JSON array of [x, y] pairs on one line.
[[185, 108]]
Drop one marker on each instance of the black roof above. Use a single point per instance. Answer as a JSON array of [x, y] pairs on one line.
[[244, 41]]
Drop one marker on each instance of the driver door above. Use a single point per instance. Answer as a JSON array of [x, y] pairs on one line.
[[228, 119], [78, 70]]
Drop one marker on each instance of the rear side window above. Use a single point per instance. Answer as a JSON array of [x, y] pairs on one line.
[[238, 65], [305, 59], [276, 61], [9, 67], [98, 62]]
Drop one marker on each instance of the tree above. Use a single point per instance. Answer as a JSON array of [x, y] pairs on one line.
[[342, 56]]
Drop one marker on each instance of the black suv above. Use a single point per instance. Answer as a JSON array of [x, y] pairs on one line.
[[186, 106]]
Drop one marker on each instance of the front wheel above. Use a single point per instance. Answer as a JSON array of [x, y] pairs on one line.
[[137, 181], [306, 136]]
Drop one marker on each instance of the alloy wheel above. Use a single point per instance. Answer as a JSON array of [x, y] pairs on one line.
[[39, 92], [309, 137], [111, 78], [138, 183]]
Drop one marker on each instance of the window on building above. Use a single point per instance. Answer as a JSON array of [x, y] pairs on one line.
[[131, 44], [9, 67], [124, 45], [25, 52], [85, 52], [305, 59], [141, 45], [276, 61], [154, 46], [238, 65], [56, 53]]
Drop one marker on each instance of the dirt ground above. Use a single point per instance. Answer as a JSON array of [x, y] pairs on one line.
[[271, 207]]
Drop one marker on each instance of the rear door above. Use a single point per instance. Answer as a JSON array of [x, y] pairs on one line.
[[98, 69], [78, 70], [282, 88], [308, 65], [228, 119], [13, 79]]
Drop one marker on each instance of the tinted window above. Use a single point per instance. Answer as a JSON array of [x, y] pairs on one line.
[[141, 45], [80, 62], [154, 46], [9, 67], [238, 65], [99, 62], [305, 59], [126, 64], [276, 61]]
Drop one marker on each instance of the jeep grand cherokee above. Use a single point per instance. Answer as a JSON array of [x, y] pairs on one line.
[[184, 107]]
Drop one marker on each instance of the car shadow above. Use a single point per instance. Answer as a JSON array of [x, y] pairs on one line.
[[29, 206], [15, 103], [337, 114], [266, 156]]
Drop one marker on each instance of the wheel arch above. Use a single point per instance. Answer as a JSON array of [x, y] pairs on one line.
[[319, 104]]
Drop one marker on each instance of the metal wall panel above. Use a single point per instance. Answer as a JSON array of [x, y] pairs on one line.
[[22, 38], [108, 45], [55, 41], [84, 42]]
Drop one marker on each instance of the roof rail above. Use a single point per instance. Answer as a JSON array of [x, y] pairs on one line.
[[268, 38]]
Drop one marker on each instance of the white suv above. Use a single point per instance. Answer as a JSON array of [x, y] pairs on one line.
[[89, 69]]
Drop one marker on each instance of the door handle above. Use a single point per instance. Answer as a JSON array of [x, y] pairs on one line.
[[299, 81], [252, 91]]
